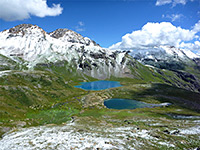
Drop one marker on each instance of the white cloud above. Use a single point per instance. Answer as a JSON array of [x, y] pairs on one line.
[[196, 27], [155, 34], [183, 2], [191, 46], [173, 17], [80, 26], [81, 23], [163, 2], [174, 2], [11, 10]]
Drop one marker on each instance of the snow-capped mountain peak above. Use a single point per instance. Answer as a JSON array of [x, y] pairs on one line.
[[26, 30], [164, 56], [71, 36], [35, 46], [182, 53], [163, 53]]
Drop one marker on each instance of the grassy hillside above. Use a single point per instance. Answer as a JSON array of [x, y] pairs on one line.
[[46, 95]]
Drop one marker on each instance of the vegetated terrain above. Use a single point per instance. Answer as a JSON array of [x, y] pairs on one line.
[[46, 104], [41, 109]]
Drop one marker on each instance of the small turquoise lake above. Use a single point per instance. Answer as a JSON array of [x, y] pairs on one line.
[[98, 85], [125, 104]]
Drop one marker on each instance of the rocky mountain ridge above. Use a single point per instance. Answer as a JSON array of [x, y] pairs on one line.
[[71, 36], [35, 46], [165, 57]]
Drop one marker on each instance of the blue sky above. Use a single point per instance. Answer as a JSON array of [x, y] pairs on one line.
[[107, 21]]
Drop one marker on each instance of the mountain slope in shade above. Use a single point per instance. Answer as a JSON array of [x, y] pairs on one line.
[[35, 46]]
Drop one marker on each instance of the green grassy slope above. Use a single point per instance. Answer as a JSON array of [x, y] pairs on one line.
[[47, 95]]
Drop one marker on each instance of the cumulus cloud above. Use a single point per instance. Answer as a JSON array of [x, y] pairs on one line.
[[12, 10], [192, 46], [155, 34], [174, 2], [173, 17], [196, 27]]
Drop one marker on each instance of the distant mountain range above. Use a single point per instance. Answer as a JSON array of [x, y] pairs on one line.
[[165, 57], [29, 47]]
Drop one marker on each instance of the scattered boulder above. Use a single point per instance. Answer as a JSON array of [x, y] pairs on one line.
[[166, 131], [175, 132]]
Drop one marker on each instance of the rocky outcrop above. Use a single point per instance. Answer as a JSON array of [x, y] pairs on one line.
[[197, 62], [71, 36], [193, 81], [23, 29]]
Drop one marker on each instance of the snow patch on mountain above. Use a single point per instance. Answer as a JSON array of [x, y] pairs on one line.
[[6, 72], [192, 130]]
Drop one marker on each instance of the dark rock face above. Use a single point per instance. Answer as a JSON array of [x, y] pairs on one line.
[[85, 65], [95, 44], [23, 28], [98, 55], [72, 37], [58, 33], [113, 64], [95, 65], [131, 63], [190, 78], [182, 79], [186, 76], [197, 62], [166, 131], [42, 65], [113, 55], [123, 60], [4, 130], [164, 64], [19, 28], [50, 64]]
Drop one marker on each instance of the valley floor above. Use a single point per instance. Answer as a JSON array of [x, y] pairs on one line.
[[81, 121]]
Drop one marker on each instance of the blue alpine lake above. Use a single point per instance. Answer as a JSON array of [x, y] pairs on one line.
[[125, 104], [98, 85]]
